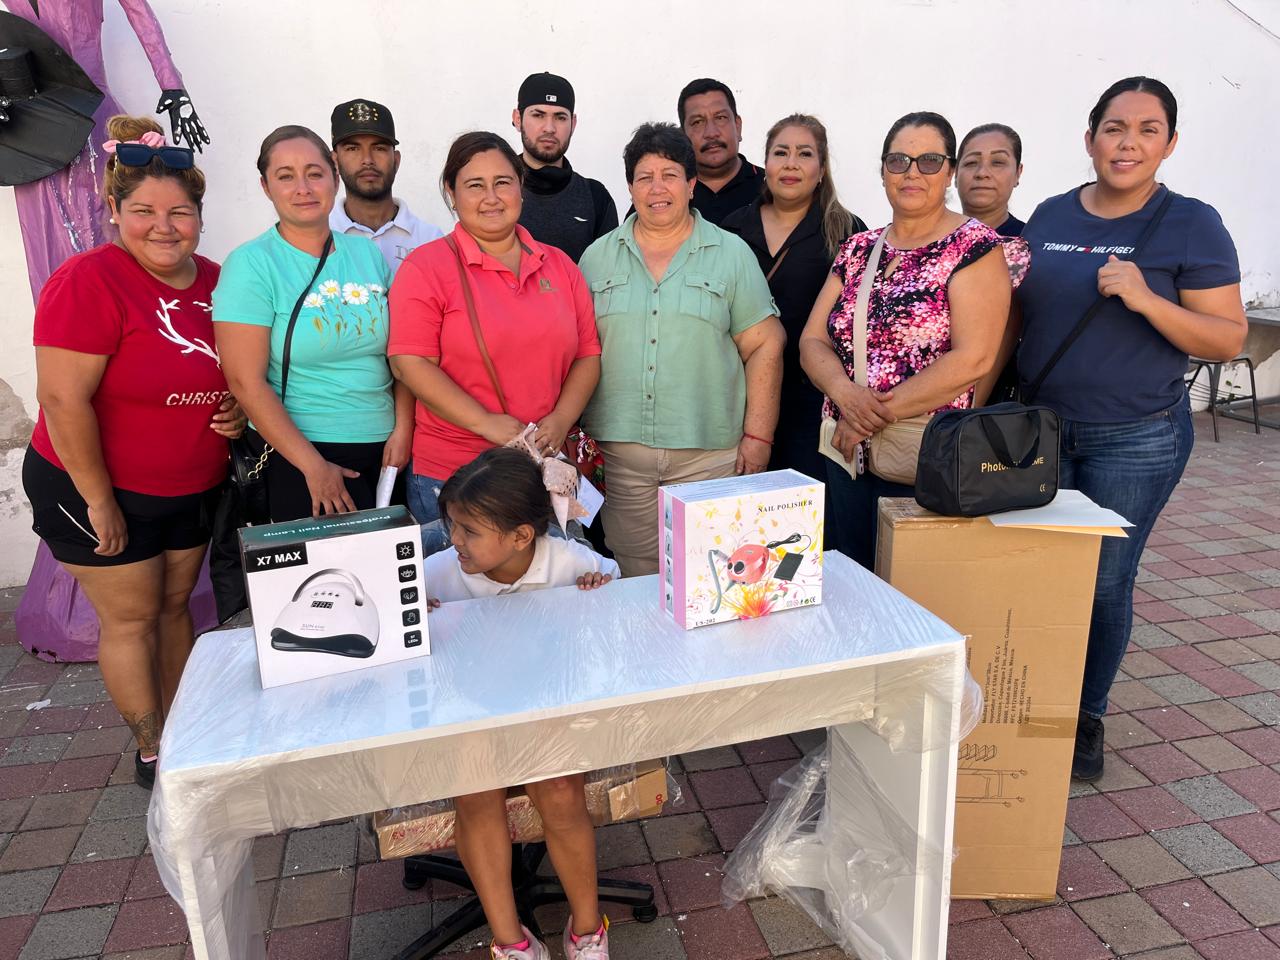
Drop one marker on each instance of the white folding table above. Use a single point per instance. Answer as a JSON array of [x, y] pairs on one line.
[[542, 684]]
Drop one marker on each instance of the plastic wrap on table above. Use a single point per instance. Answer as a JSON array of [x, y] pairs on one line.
[[836, 869], [627, 792], [518, 689]]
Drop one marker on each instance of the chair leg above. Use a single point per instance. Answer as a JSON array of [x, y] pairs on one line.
[[638, 896], [1215, 372], [468, 917], [1253, 395]]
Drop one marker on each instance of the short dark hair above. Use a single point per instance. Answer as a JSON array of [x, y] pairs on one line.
[[704, 85], [502, 486], [1008, 132], [293, 131], [664, 139], [1136, 85], [923, 118], [469, 145]]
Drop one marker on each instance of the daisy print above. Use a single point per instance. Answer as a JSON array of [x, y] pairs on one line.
[[330, 289], [356, 294], [314, 300]]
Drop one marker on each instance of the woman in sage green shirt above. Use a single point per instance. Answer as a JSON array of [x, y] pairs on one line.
[[691, 366]]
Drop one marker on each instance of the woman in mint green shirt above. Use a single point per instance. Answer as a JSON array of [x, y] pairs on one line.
[[335, 420]]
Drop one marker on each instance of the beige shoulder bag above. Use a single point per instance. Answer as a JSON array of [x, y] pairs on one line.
[[892, 453]]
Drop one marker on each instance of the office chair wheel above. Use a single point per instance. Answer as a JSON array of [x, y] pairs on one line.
[[645, 914], [415, 878]]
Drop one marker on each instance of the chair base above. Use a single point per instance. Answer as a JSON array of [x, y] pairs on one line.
[[531, 890]]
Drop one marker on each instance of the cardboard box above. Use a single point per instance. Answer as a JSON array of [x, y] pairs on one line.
[[427, 827], [1024, 598], [333, 594], [740, 547]]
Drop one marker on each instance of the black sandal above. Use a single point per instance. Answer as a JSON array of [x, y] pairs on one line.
[[144, 771]]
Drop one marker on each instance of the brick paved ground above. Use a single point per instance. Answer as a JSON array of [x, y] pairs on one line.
[[1173, 855]]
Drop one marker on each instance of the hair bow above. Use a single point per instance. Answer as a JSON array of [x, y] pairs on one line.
[[560, 477], [150, 138]]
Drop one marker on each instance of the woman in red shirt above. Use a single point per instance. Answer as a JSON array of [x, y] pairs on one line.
[[534, 310], [129, 450]]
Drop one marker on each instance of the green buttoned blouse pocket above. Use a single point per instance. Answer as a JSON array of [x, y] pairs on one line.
[[705, 297], [609, 294]]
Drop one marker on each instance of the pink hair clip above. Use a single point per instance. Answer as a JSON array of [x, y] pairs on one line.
[[150, 139]]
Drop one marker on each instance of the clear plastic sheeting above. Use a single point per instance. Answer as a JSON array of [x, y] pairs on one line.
[[538, 685]]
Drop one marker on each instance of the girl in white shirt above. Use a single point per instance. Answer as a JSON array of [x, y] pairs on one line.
[[498, 514]]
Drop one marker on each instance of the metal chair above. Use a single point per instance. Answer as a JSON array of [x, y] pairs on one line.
[[1214, 368]]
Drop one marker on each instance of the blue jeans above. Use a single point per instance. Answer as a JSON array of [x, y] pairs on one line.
[[1130, 467], [421, 493]]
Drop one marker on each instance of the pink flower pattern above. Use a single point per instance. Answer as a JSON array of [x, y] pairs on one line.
[[908, 316]]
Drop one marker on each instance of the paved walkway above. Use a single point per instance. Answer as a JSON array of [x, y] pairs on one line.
[[1174, 855]]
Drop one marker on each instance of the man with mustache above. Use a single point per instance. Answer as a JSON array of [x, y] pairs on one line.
[[561, 207], [364, 148], [709, 116]]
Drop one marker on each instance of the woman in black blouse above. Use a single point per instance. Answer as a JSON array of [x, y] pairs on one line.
[[795, 230], [990, 167]]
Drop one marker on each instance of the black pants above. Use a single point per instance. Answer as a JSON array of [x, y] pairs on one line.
[[854, 519], [288, 497]]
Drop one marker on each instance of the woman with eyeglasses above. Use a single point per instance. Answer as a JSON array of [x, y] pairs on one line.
[[129, 450], [936, 312], [1118, 390]]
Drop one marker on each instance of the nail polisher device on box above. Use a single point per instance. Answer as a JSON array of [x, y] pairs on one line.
[[329, 613]]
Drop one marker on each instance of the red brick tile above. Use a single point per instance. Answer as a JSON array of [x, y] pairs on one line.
[[1207, 567], [1245, 563], [771, 748], [90, 884], [23, 781], [1178, 551], [39, 848], [1095, 817], [54, 720], [1154, 808], [1269, 598], [962, 910], [1255, 833], [81, 774], [718, 934], [1055, 933], [1171, 723], [1273, 933], [35, 672], [102, 715], [1233, 626], [1161, 612], [730, 824], [1259, 785], [1194, 910], [157, 922], [379, 886], [1225, 682], [727, 787], [145, 882], [1083, 875], [1185, 658], [1261, 743], [1162, 763], [765, 774], [692, 884], [1167, 570], [13, 934], [316, 941], [1247, 945], [983, 940]]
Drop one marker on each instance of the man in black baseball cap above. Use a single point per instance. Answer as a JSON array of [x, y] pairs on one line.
[[364, 148], [561, 207]]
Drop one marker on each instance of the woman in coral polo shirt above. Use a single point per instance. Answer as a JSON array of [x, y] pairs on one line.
[[534, 312], [128, 453]]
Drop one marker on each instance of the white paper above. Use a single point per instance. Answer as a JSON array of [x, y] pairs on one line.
[[386, 480], [1070, 508], [591, 500]]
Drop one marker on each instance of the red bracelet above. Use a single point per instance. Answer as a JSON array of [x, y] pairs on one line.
[[750, 436]]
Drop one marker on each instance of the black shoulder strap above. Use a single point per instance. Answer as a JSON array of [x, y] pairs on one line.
[[1029, 395], [293, 317]]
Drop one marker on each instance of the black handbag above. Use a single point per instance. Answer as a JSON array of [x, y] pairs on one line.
[[988, 460], [243, 501]]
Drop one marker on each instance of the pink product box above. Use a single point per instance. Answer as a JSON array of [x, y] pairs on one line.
[[740, 547]]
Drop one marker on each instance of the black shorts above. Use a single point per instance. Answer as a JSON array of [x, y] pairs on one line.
[[154, 524]]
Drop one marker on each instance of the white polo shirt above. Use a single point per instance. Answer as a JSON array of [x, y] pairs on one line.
[[396, 239], [556, 563]]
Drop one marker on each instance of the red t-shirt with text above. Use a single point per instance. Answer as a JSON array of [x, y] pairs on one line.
[[163, 381]]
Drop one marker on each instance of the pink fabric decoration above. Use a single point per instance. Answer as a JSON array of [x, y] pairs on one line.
[[150, 138]]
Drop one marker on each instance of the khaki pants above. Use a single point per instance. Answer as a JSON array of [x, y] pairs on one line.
[[634, 472]]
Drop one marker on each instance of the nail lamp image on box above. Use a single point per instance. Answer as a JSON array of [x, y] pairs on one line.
[[748, 564], [329, 613]]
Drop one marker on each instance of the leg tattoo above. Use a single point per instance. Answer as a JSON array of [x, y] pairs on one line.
[[146, 730]]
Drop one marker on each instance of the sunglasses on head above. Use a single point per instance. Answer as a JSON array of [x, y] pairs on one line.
[[926, 163], [139, 155]]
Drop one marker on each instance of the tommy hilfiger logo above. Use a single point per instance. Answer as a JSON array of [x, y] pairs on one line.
[[1076, 248]]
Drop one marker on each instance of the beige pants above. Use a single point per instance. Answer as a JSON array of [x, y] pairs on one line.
[[630, 514]]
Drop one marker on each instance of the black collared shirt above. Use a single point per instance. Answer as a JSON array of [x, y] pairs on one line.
[[715, 205]]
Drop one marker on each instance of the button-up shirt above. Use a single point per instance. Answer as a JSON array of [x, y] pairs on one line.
[[671, 376], [396, 238], [742, 188]]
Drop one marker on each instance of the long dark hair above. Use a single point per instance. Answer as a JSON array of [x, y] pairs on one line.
[[503, 487], [837, 222]]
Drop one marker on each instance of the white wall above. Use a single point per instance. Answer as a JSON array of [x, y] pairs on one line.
[[858, 64]]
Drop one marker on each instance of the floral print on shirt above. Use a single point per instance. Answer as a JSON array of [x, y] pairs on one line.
[[908, 315]]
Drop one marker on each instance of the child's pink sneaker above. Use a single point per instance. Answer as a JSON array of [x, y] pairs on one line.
[[537, 950], [594, 946]]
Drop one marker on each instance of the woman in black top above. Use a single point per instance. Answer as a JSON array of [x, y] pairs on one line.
[[990, 167], [795, 230]]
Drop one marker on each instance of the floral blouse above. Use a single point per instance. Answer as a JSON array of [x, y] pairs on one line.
[[908, 315]]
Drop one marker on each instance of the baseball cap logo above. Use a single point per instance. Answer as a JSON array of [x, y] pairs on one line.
[[363, 113], [551, 98]]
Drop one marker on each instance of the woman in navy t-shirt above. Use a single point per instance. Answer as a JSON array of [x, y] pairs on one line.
[[1126, 420]]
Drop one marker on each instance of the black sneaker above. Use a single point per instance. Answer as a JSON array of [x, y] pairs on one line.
[[144, 771], [1086, 764]]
